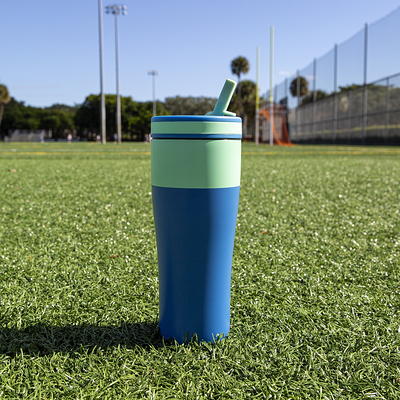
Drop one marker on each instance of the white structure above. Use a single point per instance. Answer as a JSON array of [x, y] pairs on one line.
[[25, 135]]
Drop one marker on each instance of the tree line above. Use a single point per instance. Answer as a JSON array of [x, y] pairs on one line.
[[82, 120]]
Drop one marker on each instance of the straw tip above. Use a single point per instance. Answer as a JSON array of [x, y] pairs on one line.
[[224, 99], [230, 82]]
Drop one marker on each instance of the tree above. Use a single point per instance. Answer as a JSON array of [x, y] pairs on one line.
[[240, 65], [17, 115], [247, 99], [245, 103], [59, 118], [189, 105], [353, 86], [87, 116], [299, 87], [12, 117], [4, 99], [135, 117], [51, 122], [59, 122], [317, 95]]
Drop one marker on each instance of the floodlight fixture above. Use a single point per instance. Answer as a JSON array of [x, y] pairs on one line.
[[116, 10]]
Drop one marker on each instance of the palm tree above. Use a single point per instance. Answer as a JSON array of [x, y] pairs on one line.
[[240, 65], [299, 87], [4, 99]]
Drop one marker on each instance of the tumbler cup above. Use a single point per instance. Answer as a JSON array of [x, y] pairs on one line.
[[195, 187]]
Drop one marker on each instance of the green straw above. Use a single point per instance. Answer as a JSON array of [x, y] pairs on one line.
[[224, 99]]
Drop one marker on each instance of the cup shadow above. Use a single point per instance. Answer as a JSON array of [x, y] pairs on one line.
[[43, 339]]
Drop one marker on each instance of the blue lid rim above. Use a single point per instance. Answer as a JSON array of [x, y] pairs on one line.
[[195, 136], [193, 118]]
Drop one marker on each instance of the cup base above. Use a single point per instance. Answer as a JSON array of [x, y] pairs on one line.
[[195, 235]]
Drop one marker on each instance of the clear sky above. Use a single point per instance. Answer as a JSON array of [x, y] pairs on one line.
[[49, 48]]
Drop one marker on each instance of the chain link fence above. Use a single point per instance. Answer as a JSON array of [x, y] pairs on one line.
[[341, 97]]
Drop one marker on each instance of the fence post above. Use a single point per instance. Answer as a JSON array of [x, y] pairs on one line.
[[314, 97], [387, 110], [286, 90], [285, 112], [298, 101], [365, 91], [335, 93]]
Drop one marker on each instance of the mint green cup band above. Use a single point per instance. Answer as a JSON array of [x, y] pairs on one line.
[[195, 163], [196, 127]]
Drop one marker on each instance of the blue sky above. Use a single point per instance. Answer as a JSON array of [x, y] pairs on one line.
[[49, 48]]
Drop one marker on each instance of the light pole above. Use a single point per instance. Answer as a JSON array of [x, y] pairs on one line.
[[271, 84], [154, 73], [257, 132], [102, 101], [116, 10]]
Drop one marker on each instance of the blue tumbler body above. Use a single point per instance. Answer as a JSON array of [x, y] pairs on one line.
[[195, 188]]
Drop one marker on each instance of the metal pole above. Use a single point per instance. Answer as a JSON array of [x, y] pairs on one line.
[[298, 102], [154, 94], [365, 53], [153, 74], [257, 122], [365, 92], [387, 98], [314, 99], [271, 82], [335, 98], [285, 111], [118, 108], [286, 90], [102, 99]]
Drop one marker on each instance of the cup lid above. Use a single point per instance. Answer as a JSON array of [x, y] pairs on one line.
[[195, 118], [196, 127]]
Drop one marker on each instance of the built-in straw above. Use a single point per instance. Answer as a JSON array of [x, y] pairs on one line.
[[224, 99]]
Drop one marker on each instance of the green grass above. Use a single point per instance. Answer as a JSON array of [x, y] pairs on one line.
[[315, 292]]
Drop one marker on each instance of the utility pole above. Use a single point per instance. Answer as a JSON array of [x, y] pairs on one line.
[[102, 100], [153, 74], [257, 124]]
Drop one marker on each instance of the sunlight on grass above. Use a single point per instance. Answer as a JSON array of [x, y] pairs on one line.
[[315, 292]]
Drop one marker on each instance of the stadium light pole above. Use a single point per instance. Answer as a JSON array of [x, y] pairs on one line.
[[153, 74], [102, 100], [271, 84], [117, 10], [257, 122]]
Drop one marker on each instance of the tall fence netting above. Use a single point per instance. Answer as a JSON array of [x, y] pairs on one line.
[[349, 95]]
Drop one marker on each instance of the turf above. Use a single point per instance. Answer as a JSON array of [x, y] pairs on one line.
[[315, 291]]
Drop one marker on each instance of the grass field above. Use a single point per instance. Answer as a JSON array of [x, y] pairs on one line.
[[315, 292]]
